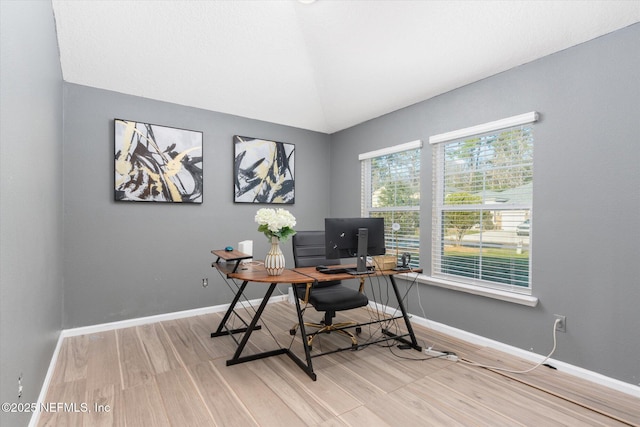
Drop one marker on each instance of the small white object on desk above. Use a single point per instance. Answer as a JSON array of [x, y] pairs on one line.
[[246, 247]]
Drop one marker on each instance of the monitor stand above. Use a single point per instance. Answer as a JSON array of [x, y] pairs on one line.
[[363, 243]]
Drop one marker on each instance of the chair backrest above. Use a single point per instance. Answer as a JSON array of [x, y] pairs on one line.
[[309, 249]]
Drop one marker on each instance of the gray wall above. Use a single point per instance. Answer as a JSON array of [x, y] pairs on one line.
[[30, 199], [586, 261], [127, 260]]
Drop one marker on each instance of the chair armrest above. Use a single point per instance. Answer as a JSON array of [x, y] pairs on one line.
[[306, 293]]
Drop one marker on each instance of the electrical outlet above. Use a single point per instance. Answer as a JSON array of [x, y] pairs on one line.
[[205, 282], [561, 326], [433, 353]]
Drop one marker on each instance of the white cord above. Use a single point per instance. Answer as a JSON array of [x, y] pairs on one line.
[[424, 315], [526, 370]]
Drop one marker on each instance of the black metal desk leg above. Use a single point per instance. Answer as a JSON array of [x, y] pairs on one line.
[[303, 332], [252, 325], [236, 298], [407, 322]]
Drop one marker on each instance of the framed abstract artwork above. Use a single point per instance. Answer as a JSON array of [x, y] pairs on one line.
[[263, 171], [157, 163]]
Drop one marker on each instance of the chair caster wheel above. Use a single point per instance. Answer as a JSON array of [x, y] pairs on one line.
[[358, 330], [292, 331]]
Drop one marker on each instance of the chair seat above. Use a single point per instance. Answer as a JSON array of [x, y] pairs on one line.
[[325, 296], [334, 298]]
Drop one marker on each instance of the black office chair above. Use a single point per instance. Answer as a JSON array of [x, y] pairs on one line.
[[328, 297]]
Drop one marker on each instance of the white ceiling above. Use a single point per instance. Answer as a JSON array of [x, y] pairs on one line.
[[324, 66]]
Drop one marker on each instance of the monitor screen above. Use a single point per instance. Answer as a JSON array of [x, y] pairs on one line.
[[341, 236]]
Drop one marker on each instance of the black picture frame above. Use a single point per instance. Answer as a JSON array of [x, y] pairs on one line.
[[263, 171], [155, 163]]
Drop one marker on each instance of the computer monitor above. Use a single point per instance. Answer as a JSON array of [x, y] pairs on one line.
[[354, 238]]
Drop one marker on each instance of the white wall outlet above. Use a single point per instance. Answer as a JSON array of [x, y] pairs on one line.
[[561, 326]]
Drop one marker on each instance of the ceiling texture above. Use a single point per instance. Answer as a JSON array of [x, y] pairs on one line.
[[323, 66]]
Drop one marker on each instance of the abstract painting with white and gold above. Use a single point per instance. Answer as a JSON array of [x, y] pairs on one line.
[[157, 163]]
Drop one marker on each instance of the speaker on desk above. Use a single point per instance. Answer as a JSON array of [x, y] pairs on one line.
[[246, 247]]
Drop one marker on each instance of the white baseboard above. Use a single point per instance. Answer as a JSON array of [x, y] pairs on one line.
[[518, 352], [35, 416], [454, 332], [92, 329]]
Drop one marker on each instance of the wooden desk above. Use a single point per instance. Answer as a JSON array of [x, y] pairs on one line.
[[320, 277], [258, 274], [230, 256]]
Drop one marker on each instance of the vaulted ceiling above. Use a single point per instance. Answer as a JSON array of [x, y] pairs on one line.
[[323, 66]]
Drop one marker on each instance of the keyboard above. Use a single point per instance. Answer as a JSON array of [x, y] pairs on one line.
[[337, 270], [342, 270]]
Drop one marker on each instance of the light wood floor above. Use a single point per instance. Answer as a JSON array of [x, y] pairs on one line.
[[173, 374]]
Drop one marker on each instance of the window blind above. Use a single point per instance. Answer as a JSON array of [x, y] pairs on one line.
[[391, 190], [482, 205]]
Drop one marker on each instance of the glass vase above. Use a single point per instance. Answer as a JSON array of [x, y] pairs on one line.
[[274, 261]]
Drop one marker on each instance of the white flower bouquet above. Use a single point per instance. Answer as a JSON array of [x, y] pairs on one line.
[[276, 223]]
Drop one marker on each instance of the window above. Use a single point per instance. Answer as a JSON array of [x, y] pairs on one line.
[[391, 190], [482, 204]]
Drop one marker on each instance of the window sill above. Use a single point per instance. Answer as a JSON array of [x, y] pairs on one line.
[[513, 297]]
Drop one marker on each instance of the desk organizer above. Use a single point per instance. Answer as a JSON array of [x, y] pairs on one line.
[[385, 262]]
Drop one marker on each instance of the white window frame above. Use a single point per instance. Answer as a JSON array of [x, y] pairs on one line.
[[466, 284], [366, 189]]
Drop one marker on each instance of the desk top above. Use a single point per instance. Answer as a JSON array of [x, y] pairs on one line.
[[323, 277], [233, 255], [257, 273]]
